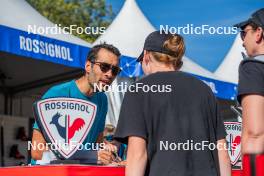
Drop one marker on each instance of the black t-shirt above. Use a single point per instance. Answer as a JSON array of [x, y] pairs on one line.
[[251, 78], [188, 112]]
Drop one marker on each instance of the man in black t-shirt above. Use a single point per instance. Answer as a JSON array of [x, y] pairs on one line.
[[251, 84], [169, 117]]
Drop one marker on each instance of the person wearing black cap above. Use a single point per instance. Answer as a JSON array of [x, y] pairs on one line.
[[165, 130], [251, 84]]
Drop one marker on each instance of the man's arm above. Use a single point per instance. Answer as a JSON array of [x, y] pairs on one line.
[[136, 156], [37, 138], [223, 157], [253, 120]]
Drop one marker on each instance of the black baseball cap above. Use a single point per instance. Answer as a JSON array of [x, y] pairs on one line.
[[257, 18], [154, 42]]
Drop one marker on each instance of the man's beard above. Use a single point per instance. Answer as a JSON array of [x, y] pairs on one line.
[[91, 79]]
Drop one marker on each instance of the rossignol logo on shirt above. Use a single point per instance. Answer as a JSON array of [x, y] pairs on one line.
[[65, 122], [66, 105]]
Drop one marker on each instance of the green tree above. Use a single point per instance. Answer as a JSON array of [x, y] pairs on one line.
[[82, 13]]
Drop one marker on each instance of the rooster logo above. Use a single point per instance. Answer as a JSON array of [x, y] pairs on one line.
[[234, 143], [68, 131]]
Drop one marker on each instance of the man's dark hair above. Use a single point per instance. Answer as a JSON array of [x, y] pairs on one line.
[[94, 51]]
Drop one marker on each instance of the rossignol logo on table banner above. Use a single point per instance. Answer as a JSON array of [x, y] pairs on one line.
[[65, 122], [233, 130]]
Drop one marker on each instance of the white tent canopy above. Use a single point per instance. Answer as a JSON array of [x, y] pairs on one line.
[[191, 67], [228, 69], [19, 14]]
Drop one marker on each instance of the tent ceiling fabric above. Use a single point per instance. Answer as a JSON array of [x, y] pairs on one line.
[[18, 70], [228, 69]]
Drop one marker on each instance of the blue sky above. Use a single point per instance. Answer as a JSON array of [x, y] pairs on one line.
[[206, 50]]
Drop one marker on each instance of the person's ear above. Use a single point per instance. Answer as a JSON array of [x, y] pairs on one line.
[[88, 67], [146, 57], [259, 35]]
